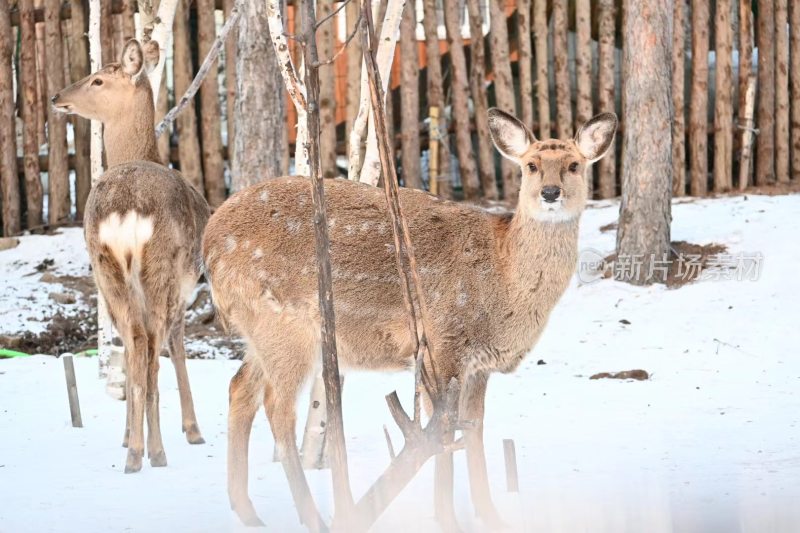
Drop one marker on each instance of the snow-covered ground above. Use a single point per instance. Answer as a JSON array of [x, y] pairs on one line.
[[710, 443]]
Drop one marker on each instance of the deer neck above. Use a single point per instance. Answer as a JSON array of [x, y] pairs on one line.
[[131, 135]]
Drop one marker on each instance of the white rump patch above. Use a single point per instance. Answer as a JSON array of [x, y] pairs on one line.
[[125, 235]]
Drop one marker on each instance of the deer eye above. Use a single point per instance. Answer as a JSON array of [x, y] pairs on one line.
[[97, 82], [532, 167], [573, 167]]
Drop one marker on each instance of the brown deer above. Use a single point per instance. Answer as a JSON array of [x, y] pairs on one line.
[[143, 227], [490, 282]]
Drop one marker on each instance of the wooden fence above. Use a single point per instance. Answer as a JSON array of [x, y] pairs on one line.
[[559, 60]]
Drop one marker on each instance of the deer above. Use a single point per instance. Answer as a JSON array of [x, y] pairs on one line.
[[490, 282], [143, 227]]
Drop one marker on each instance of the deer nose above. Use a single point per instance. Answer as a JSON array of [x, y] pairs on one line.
[[551, 193]]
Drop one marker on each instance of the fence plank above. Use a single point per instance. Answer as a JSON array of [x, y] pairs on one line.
[[326, 40], [794, 14], [12, 221], [409, 98], [72, 390], [524, 62], [723, 99], [209, 109], [745, 71], [439, 169], [230, 75], [765, 141], [698, 110], [29, 107], [678, 88], [542, 82], [607, 167], [781, 92], [106, 33], [503, 88], [186, 122], [79, 68], [58, 205], [561, 59]]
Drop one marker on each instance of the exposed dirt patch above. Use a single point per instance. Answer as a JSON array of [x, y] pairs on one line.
[[611, 226], [638, 374]]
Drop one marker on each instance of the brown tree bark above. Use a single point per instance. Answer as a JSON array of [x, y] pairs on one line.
[[781, 92], [723, 101], [58, 204], [765, 141], [128, 22], [644, 222], [79, 68], [12, 221], [678, 106], [503, 88], [477, 81], [409, 98], [607, 167], [542, 83], [29, 106], [794, 14], [260, 105], [213, 175], [459, 88], [436, 99], [354, 61], [525, 62], [561, 58], [698, 108], [230, 81], [583, 61], [186, 122], [745, 67], [162, 108], [41, 84], [107, 33], [327, 91]]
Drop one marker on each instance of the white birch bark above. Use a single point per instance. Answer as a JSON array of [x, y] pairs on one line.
[[161, 33]]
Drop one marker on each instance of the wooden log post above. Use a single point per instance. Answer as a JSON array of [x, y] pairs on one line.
[[433, 150], [30, 105], [12, 220], [459, 87], [525, 61], [354, 60], [542, 82], [765, 142], [723, 100], [678, 103], [794, 69], [106, 33], [72, 391], [510, 457], [162, 107], [477, 83], [745, 75], [57, 164], [230, 84], [79, 69], [327, 90], [128, 21], [409, 98], [748, 133], [561, 59], [698, 102], [583, 62], [607, 167], [782, 155]]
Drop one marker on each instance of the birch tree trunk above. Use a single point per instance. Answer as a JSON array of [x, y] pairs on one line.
[[542, 83], [79, 68], [723, 101], [477, 80], [745, 72], [57, 164], [29, 106], [186, 122], [458, 88], [327, 91], [644, 222], [607, 167], [409, 98], [213, 170], [698, 109], [678, 105], [781, 92], [12, 221], [354, 60], [561, 59], [794, 25], [161, 32], [440, 180], [765, 140], [525, 62]]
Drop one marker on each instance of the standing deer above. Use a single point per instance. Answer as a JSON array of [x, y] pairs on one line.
[[143, 227], [490, 282]]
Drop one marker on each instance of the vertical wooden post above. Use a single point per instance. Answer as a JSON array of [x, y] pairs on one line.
[[354, 60], [745, 166], [745, 73], [230, 80], [510, 456], [433, 148], [41, 84], [128, 21], [477, 81], [72, 391], [106, 33], [327, 91], [765, 142], [186, 122], [781, 92], [561, 58], [794, 69], [723, 100], [30, 105], [79, 68], [542, 82], [57, 169], [583, 62], [12, 221], [678, 105], [607, 167], [409, 97], [162, 108], [525, 61], [698, 103]]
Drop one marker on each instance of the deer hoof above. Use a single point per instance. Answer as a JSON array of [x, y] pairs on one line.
[[158, 459], [134, 461], [193, 435]]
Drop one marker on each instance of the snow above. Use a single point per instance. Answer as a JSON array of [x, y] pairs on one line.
[[710, 443]]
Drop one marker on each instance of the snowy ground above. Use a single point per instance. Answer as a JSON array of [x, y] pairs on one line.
[[710, 443]]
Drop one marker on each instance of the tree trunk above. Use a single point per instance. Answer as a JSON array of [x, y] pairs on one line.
[[28, 105], [162, 108], [458, 88], [503, 89], [607, 167], [260, 106], [765, 142], [230, 82], [678, 107], [57, 168], [12, 222], [327, 91], [213, 172], [186, 122], [781, 92], [409, 98], [525, 62], [561, 58], [698, 110], [794, 13], [644, 222], [128, 21], [79, 68], [442, 177], [477, 80], [542, 83], [723, 101], [41, 85], [106, 33], [745, 71], [354, 60], [583, 61]]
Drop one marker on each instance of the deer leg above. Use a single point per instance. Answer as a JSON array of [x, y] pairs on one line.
[[155, 446], [137, 374], [178, 356], [128, 405], [245, 394]]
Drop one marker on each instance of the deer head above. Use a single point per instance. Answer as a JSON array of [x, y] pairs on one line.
[[114, 89], [554, 186]]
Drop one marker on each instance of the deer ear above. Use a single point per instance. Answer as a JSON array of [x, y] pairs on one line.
[[595, 137], [151, 55], [510, 136], [132, 58]]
